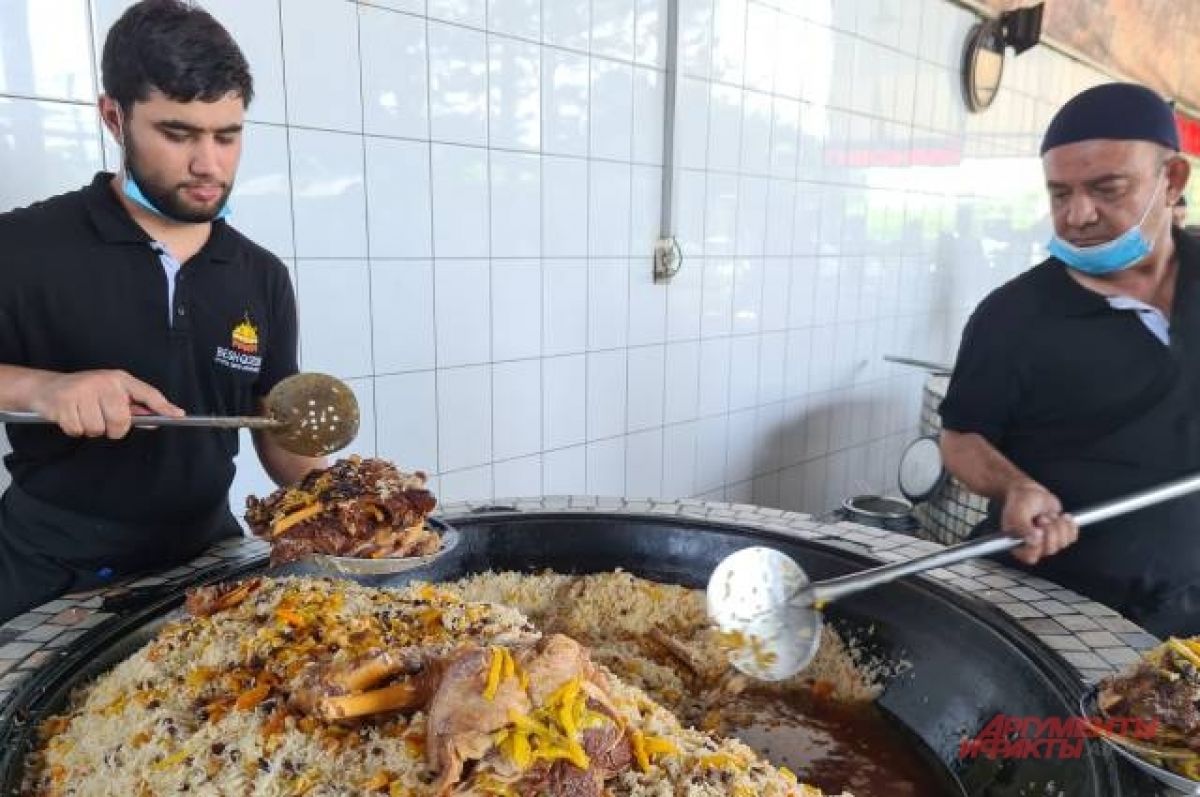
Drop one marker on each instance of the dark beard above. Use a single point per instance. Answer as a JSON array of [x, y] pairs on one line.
[[166, 200]]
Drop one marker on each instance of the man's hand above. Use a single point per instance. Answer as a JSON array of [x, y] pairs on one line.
[[1034, 514], [98, 403]]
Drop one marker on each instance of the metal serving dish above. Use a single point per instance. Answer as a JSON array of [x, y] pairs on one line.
[[1181, 785], [966, 661], [388, 565]]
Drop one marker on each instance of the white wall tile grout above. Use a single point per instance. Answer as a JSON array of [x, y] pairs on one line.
[[437, 401], [367, 209], [629, 277], [291, 182], [588, 232], [487, 94], [541, 388]]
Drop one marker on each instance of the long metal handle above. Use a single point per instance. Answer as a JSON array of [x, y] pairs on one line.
[[932, 367], [205, 421], [834, 588]]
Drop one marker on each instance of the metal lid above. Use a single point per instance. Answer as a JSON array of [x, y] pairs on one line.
[[921, 469]]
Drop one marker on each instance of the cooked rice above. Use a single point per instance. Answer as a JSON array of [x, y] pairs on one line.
[[166, 720], [612, 613]]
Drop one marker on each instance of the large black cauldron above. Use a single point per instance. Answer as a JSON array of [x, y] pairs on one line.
[[968, 661]]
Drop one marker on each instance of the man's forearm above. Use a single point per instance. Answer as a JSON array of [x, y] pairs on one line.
[[977, 464], [19, 385]]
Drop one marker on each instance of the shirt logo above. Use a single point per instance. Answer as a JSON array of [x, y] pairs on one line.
[[243, 353], [245, 337]]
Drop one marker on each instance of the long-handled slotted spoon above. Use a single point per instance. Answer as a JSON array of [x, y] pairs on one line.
[[764, 601], [307, 414]]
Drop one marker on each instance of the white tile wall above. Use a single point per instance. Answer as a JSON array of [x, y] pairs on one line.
[[395, 84], [322, 92], [516, 18], [468, 191], [46, 50], [514, 91], [458, 84]]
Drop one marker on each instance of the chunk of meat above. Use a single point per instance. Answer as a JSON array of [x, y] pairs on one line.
[[356, 507], [609, 753], [393, 697], [1151, 692], [552, 662], [365, 672], [318, 536], [208, 600], [471, 694], [462, 719], [609, 749], [334, 690], [681, 652], [568, 780]]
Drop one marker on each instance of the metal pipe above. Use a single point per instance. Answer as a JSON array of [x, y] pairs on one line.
[[937, 368], [670, 79]]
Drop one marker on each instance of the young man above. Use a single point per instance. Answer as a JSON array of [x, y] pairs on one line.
[[1079, 381], [133, 296]]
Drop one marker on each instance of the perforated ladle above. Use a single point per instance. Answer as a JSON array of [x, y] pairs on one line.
[[766, 604], [307, 414]]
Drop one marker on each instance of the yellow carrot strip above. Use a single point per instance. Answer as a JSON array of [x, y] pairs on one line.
[[522, 752], [299, 516], [1179, 647], [252, 697], [576, 754], [493, 676], [288, 616], [381, 780], [171, 760], [638, 743], [656, 745], [528, 724], [570, 693]]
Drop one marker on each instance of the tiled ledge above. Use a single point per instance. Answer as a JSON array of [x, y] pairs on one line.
[[1093, 638]]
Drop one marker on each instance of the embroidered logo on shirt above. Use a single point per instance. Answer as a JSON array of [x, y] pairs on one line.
[[245, 337], [243, 354]]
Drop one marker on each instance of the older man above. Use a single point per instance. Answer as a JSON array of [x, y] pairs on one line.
[[1079, 381]]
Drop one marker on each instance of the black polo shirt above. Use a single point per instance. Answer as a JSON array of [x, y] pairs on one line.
[[82, 287], [1088, 402]]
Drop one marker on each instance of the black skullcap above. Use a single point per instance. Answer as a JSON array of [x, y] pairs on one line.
[[1124, 111]]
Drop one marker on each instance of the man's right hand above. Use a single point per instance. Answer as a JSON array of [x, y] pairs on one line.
[[98, 403], [1034, 514]]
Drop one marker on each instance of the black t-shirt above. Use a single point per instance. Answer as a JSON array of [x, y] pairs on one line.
[[82, 287], [1088, 402]]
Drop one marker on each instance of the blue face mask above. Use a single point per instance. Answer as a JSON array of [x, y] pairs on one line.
[[1128, 248], [133, 191]]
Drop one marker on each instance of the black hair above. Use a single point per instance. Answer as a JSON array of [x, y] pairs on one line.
[[172, 46], [1181, 202]]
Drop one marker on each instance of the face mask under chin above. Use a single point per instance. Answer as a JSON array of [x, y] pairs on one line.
[[131, 187], [1126, 250]]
